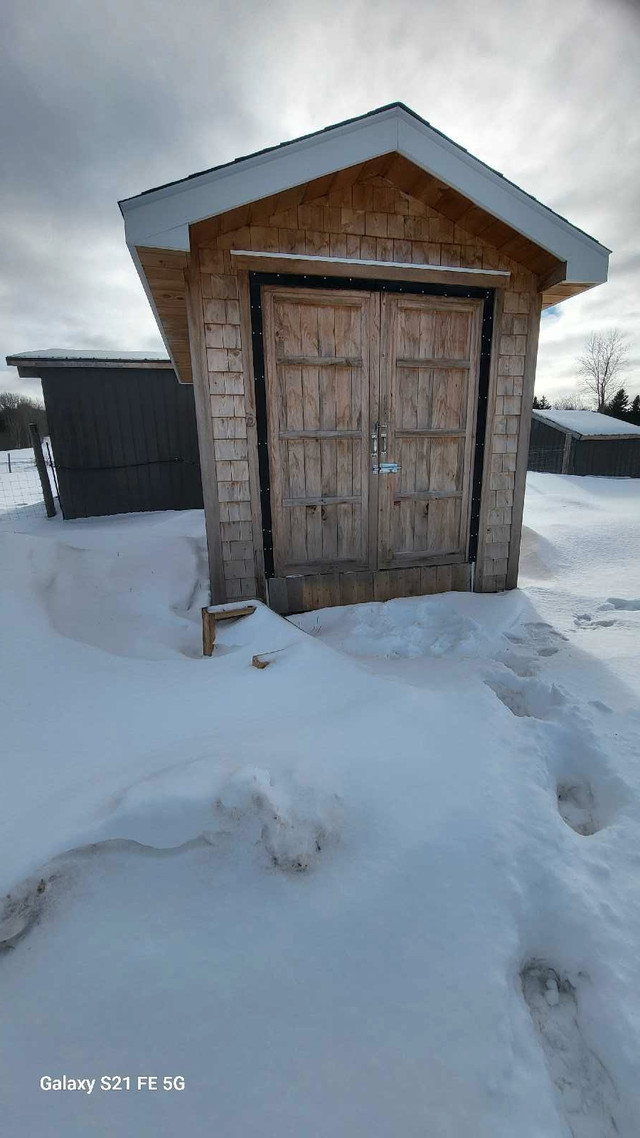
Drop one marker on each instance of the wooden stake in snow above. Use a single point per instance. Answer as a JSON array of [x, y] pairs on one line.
[[214, 613], [263, 659]]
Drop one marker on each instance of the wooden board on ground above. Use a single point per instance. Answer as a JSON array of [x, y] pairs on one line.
[[214, 613]]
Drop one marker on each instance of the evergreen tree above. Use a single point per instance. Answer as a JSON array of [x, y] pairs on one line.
[[541, 404], [618, 407], [634, 411]]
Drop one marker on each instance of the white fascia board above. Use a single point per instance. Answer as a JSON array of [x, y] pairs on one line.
[[587, 261], [147, 219], [162, 218]]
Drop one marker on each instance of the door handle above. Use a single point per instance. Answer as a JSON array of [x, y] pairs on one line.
[[379, 450]]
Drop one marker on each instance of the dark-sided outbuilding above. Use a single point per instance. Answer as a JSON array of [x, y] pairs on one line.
[[584, 442], [122, 429]]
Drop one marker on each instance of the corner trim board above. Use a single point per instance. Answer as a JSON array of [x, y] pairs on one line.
[[533, 334], [205, 434]]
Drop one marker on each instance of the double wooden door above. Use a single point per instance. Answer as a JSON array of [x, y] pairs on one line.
[[371, 407]]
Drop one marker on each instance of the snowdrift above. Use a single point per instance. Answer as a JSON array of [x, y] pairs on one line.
[[387, 885]]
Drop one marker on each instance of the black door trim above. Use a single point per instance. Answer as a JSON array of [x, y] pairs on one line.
[[291, 280]]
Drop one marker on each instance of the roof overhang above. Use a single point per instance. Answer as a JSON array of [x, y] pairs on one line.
[[392, 141], [161, 218], [31, 365]]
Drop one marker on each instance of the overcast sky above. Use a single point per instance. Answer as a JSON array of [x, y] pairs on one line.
[[100, 99]]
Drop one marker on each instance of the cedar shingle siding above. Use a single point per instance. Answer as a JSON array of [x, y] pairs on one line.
[[371, 219]]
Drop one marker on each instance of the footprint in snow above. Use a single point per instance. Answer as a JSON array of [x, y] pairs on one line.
[[586, 1091], [621, 603], [539, 636], [522, 666], [20, 911], [585, 620], [577, 807], [528, 697]]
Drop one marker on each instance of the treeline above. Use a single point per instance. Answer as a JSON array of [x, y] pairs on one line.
[[16, 412], [619, 406]]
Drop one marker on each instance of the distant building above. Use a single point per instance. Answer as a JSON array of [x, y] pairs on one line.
[[123, 431], [584, 442]]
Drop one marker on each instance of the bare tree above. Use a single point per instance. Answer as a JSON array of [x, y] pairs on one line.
[[570, 403], [605, 355], [16, 412]]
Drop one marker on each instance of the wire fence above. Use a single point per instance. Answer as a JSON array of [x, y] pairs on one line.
[[546, 459], [21, 493]]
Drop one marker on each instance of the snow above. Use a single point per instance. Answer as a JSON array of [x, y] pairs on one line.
[[588, 423], [71, 354], [387, 885]]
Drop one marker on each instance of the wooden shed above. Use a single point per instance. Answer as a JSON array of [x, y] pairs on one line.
[[123, 431], [584, 442], [358, 311]]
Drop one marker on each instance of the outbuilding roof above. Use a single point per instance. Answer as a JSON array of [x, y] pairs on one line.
[[391, 141], [161, 217], [31, 364], [588, 424]]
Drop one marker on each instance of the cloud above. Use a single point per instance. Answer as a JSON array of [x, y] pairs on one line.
[[103, 100]]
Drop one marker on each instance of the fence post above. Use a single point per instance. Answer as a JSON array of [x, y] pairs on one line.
[[52, 468], [36, 443]]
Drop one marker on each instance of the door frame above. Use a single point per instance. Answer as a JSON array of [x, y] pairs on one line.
[[359, 284]]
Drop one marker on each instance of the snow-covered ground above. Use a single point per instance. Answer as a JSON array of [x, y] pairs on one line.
[[389, 885]]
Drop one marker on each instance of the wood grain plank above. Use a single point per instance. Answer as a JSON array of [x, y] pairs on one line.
[[356, 588]]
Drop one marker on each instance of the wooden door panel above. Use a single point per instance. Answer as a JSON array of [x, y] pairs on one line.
[[429, 465], [448, 408], [429, 372], [428, 527], [431, 398], [322, 374]]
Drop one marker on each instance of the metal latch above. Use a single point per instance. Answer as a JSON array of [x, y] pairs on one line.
[[379, 447]]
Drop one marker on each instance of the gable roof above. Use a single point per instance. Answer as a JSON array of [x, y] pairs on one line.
[[160, 218], [588, 424], [391, 142]]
